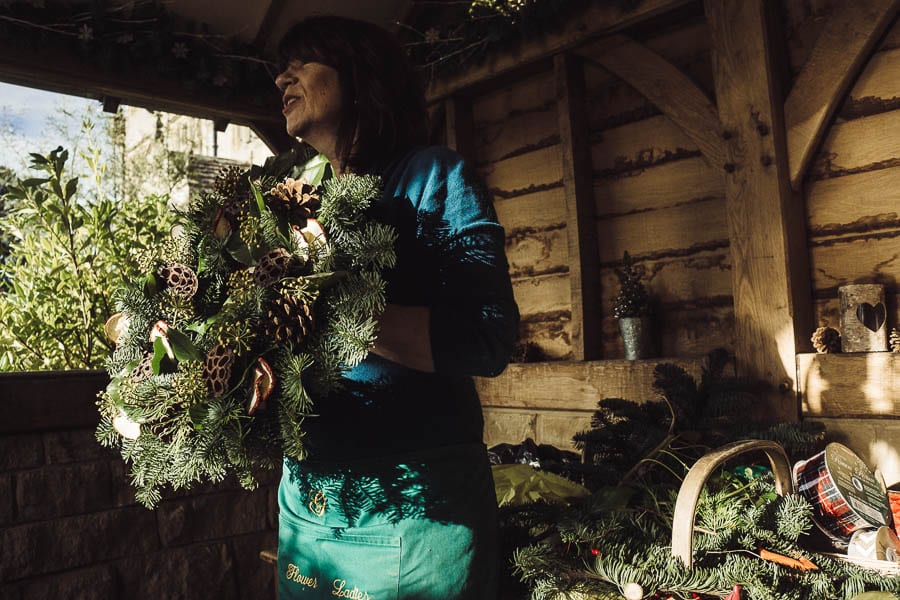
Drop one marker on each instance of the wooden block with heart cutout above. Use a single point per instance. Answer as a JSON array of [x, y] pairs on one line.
[[863, 317]]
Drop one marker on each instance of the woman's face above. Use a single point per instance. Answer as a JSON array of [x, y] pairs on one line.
[[311, 103]]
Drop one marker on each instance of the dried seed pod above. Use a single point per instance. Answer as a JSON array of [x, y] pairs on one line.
[[217, 370], [272, 267], [180, 279]]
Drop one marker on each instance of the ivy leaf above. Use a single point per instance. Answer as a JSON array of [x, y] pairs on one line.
[[159, 353], [239, 251], [198, 413], [182, 346], [313, 172]]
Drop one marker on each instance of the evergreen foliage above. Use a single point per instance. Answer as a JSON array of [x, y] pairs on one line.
[[637, 455], [214, 392]]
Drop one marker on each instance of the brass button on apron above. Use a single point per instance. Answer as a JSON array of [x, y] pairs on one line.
[[317, 503]]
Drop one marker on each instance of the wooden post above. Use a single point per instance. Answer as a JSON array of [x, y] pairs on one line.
[[771, 285], [459, 125], [581, 226]]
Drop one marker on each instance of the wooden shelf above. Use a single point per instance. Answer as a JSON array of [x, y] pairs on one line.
[[575, 385], [862, 385], [551, 401]]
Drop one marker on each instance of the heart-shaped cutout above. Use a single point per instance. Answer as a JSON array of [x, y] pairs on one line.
[[872, 317]]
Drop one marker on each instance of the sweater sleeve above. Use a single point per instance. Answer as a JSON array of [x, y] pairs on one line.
[[474, 317]]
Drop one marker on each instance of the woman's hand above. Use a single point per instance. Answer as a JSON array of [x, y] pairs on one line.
[[404, 337]]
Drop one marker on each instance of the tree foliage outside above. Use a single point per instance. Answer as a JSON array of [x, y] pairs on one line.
[[71, 241]]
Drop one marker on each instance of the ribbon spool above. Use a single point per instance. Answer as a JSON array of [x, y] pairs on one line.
[[844, 493], [894, 497], [875, 544]]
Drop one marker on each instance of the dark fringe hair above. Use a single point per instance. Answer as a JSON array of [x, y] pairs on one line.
[[383, 102]]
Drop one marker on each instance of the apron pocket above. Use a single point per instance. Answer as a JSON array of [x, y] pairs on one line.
[[313, 565]]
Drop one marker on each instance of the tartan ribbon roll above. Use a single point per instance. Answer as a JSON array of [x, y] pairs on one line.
[[845, 495]]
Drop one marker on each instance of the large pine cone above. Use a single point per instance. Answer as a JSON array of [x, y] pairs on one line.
[[180, 279], [289, 319], [826, 340], [295, 200], [217, 370], [272, 267]]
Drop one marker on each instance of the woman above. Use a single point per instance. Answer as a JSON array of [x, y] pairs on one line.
[[395, 499]]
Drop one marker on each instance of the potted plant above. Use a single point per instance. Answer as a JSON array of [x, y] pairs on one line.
[[632, 309]]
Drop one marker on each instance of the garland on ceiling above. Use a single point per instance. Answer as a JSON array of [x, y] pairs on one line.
[[443, 37], [140, 38]]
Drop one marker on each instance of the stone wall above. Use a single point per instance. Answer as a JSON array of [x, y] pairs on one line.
[[70, 527]]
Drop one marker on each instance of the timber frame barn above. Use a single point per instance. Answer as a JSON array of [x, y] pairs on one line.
[[745, 153]]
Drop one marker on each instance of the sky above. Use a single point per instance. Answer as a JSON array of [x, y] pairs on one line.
[[30, 121]]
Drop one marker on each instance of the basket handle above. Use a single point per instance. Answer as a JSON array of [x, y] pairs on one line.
[[689, 493]]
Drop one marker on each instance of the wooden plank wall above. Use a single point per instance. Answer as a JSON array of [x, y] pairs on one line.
[[852, 190], [852, 196], [655, 197]]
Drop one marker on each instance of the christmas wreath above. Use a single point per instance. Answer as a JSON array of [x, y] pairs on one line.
[[266, 292]]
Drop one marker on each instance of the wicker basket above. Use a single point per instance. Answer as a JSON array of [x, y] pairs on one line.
[[689, 495]]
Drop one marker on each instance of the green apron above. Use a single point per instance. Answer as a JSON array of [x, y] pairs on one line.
[[420, 526]]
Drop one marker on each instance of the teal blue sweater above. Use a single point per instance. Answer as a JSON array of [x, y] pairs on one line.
[[450, 258]]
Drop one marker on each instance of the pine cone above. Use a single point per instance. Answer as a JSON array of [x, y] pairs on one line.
[[180, 279], [272, 267], [895, 340], [826, 340], [143, 370], [295, 200], [289, 319], [217, 370]]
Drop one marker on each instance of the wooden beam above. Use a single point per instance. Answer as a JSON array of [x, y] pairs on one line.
[[599, 18], [771, 287], [110, 104], [840, 53], [459, 126], [49, 69], [574, 386], [670, 90], [581, 227]]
